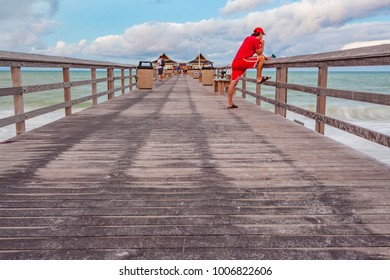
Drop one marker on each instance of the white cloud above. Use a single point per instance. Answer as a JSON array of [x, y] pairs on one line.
[[64, 49], [22, 22], [25, 9], [336, 38], [151, 39], [233, 6], [309, 16], [364, 44], [306, 26]]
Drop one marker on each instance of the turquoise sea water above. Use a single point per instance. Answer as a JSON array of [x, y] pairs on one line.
[[46, 98], [372, 116]]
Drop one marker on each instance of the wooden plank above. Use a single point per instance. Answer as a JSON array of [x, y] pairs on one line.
[[45, 87], [11, 91], [36, 60], [376, 55], [194, 253], [375, 98], [52, 108]]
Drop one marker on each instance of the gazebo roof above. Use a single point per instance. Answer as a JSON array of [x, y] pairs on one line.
[[203, 60], [166, 59]]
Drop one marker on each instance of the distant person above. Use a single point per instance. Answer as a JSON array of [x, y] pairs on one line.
[[244, 60], [178, 69], [160, 66]]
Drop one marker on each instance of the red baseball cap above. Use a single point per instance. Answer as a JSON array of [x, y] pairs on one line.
[[259, 30]]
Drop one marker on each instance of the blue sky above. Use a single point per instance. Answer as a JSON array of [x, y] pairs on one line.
[[131, 30]]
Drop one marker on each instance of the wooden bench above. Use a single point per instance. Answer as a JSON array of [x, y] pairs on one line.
[[221, 86]]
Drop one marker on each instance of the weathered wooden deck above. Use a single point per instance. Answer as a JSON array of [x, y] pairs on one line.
[[172, 174]]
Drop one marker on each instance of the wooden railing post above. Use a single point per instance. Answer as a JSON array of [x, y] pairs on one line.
[[258, 93], [131, 78], [110, 82], [16, 75], [94, 86], [281, 93], [123, 80], [67, 92], [321, 98]]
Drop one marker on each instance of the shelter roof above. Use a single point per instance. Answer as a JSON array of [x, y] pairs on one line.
[[166, 59], [203, 60]]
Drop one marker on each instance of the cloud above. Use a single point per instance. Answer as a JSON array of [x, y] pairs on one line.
[[64, 49], [364, 44], [25, 9], [309, 23], [150, 39], [309, 16], [307, 26], [336, 38], [294, 28], [233, 6], [23, 22]]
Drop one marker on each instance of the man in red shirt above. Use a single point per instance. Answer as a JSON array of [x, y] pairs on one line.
[[244, 60]]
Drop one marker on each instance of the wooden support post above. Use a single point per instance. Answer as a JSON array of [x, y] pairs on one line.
[[123, 80], [258, 92], [243, 85], [16, 74], [110, 82], [281, 93], [67, 92], [216, 86], [131, 78], [321, 99], [220, 87], [94, 86]]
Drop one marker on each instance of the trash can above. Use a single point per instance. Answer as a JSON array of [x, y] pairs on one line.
[[195, 72], [208, 75], [145, 75]]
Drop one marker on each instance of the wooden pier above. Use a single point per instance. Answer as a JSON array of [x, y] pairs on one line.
[[170, 173]]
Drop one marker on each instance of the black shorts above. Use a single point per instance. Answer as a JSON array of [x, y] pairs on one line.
[[160, 71]]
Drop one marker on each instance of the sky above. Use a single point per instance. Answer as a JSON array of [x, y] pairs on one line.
[[128, 31]]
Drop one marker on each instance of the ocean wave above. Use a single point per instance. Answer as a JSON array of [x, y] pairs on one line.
[[361, 113]]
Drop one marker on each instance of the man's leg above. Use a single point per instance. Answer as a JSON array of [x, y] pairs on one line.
[[260, 63], [231, 88]]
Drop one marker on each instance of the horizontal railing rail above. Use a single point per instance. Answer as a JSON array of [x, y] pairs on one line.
[[367, 56], [17, 63]]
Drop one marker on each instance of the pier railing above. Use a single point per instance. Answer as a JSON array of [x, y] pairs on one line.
[[15, 62], [367, 56]]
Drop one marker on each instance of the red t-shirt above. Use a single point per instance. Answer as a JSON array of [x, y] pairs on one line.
[[248, 47]]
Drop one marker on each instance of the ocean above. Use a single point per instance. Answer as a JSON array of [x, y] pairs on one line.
[[46, 98], [372, 116]]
